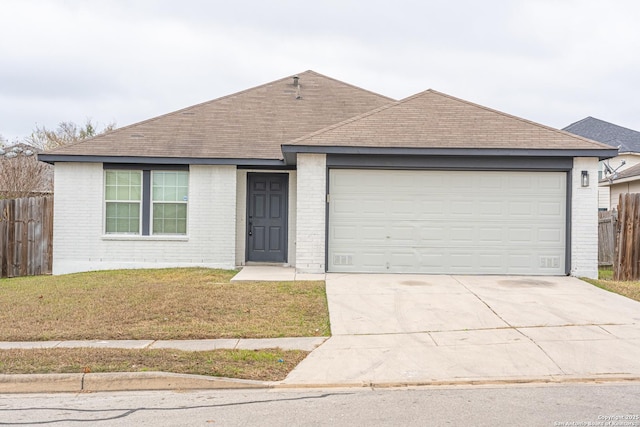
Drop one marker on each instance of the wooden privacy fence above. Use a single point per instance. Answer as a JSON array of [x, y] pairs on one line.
[[26, 236], [607, 222], [626, 265]]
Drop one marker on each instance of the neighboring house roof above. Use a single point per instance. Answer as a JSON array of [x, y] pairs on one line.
[[630, 174], [43, 172], [17, 149], [627, 140], [251, 124], [437, 121]]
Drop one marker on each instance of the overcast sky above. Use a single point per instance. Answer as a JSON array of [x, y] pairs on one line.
[[550, 61]]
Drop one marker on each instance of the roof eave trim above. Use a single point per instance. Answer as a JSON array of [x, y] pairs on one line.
[[290, 150], [53, 158], [607, 183]]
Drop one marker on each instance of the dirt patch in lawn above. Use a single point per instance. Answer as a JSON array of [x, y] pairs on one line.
[[193, 303]]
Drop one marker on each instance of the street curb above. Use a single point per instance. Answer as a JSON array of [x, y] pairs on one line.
[[132, 381], [163, 381], [119, 381], [468, 382], [40, 383]]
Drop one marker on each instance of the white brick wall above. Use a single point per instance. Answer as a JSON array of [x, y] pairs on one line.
[[311, 213], [80, 245], [241, 214], [584, 219]]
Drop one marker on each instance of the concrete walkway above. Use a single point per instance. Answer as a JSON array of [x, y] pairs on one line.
[[413, 329], [294, 343], [259, 273]]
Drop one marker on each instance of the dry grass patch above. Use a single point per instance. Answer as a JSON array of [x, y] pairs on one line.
[[194, 303], [264, 365], [605, 281]]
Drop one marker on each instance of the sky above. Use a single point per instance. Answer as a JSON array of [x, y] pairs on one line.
[[550, 61]]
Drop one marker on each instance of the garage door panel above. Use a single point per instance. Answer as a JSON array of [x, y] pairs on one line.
[[520, 183], [431, 207], [520, 235], [462, 235], [403, 259], [520, 209], [550, 208], [551, 235], [491, 208], [345, 237], [403, 234], [372, 260], [340, 233], [490, 235], [447, 222], [461, 208], [551, 182], [491, 261]]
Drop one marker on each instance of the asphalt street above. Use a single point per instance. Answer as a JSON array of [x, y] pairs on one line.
[[535, 405]]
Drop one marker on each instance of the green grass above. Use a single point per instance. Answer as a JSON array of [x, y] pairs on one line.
[[265, 365], [629, 289], [193, 303]]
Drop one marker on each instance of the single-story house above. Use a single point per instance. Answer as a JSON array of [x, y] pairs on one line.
[[617, 175], [315, 173]]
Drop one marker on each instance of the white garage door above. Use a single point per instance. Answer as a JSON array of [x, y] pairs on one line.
[[467, 222]]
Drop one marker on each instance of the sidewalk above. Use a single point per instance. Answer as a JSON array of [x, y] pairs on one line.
[[294, 343]]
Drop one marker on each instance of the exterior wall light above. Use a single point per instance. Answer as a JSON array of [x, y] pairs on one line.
[[585, 178]]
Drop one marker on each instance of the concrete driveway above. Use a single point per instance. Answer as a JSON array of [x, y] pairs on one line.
[[416, 329]]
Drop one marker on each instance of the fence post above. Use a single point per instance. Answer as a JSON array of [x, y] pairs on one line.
[[627, 253]]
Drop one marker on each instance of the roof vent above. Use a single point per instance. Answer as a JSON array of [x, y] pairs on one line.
[[296, 84]]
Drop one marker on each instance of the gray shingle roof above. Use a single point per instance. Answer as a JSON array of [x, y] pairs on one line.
[[251, 124], [616, 136], [256, 123], [434, 120]]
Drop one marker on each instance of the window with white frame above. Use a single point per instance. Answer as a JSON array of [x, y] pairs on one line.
[[146, 202], [123, 200], [170, 194]]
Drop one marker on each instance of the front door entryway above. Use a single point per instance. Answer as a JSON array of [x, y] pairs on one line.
[[267, 205]]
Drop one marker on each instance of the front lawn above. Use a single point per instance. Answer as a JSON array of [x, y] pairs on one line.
[[192, 303]]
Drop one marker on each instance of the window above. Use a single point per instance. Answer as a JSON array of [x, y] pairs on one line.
[[169, 199], [123, 196], [146, 202]]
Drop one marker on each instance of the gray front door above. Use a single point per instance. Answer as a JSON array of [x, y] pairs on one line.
[[267, 202]]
